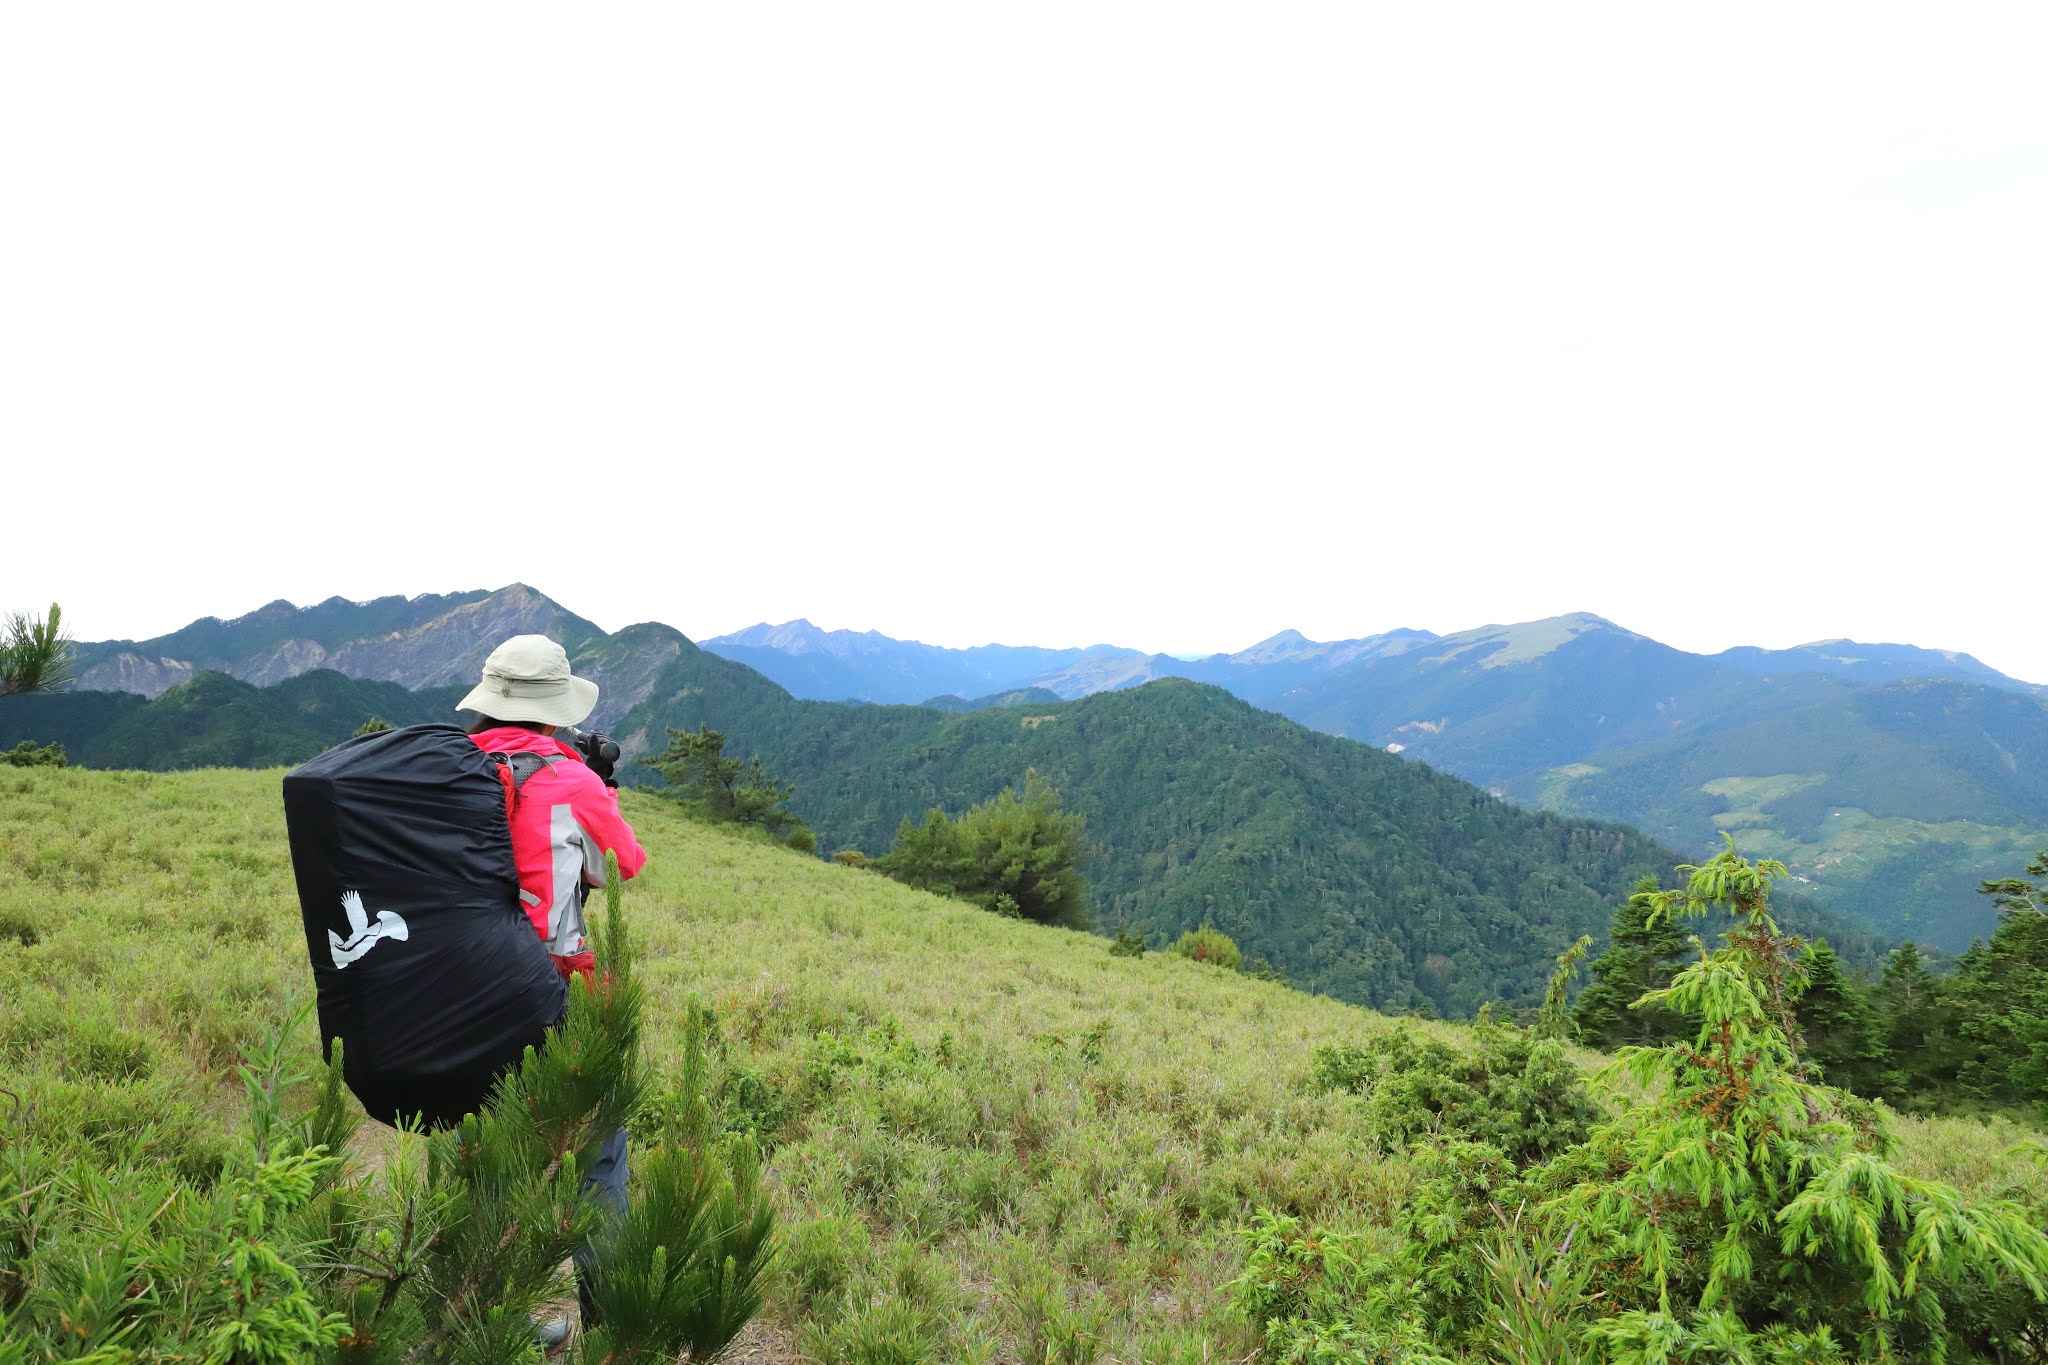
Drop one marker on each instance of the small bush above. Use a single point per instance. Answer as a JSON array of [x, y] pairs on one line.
[[1518, 1094], [1320, 1297], [29, 754], [1211, 946], [1127, 943], [850, 857]]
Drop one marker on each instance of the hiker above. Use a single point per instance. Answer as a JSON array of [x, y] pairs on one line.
[[566, 820], [568, 813]]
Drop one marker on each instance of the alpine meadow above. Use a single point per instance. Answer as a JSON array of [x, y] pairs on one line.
[[984, 1139]]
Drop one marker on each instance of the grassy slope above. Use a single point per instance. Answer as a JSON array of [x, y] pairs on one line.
[[958, 1166]]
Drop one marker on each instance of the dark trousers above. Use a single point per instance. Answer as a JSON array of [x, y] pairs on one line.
[[607, 1180]]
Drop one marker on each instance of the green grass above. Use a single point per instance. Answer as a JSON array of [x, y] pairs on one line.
[[989, 1140]]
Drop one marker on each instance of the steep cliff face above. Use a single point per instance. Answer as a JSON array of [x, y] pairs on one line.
[[451, 648], [625, 666], [418, 642], [129, 671], [421, 642]]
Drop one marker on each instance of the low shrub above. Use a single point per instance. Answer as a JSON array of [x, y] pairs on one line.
[[1517, 1093], [29, 754], [1211, 946]]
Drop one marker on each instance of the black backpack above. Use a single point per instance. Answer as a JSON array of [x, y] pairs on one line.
[[427, 967]]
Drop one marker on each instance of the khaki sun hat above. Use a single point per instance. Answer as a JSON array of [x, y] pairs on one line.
[[527, 678]]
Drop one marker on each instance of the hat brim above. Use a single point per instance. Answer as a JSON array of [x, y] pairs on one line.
[[569, 708]]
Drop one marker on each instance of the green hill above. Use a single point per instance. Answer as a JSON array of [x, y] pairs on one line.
[[1361, 876], [989, 1140]]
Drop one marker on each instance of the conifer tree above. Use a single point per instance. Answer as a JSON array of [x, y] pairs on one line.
[[1018, 854], [729, 790], [467, 1265], [35, 652], [1914, 1026], [1838, 1030], [1642, 956], [1744, 1212], [1999, 997]]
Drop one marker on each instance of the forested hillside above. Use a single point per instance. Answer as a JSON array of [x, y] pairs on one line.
[[1916, 757], [214, 721], [1358, 874]]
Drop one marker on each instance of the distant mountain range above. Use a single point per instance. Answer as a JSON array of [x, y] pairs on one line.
[[870, 666], [1891, 778], [844, 665]]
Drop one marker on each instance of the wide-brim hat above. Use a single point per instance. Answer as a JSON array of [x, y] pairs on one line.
[[528, 679]]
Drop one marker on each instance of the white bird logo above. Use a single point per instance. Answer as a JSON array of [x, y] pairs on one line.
[[365, 935]]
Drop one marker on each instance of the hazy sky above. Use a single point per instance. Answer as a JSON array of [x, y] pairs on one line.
[[1169, 325]]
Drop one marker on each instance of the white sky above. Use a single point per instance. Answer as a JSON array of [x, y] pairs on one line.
[[1168, 325]]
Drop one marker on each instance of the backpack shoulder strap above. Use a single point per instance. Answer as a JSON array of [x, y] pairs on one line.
[[525, 765], [519, 767]]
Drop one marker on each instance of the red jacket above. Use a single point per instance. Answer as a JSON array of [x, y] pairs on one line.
[[565, 821]]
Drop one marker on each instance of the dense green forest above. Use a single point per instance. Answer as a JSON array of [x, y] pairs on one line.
[[215, 721]]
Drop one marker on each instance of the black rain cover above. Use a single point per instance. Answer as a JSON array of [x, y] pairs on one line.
[[427, 967]]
